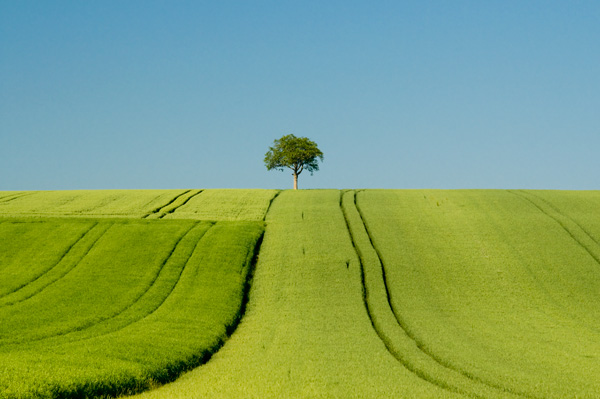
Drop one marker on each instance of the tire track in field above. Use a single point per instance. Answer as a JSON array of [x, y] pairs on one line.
[[160, 208], [270, 203], [13, 197], [184, 202], [76, 262], [558, 304], [139, 317], [60, 259], [491, 389], [177, 369], [389, 345], [564, 221]]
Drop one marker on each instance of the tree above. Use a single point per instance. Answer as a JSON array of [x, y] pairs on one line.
[[296, 153]]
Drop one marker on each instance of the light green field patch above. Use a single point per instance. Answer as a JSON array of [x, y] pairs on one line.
[[86, 203], [306, 332], [367, 293], [222, 204], [492, 286]]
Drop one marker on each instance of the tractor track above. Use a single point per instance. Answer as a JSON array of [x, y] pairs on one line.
[[182, 204], [5, 302], [497, 390], [107, 319], [563, 221], [160, 208]]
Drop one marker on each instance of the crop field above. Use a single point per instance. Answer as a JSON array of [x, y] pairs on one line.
[[210, 204], [226, 205], [106, 306], [355, 293], [498, 290], [86, 203]]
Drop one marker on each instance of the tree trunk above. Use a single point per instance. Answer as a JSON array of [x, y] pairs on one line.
[[295, 181]]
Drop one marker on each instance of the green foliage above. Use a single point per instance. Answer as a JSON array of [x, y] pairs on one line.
[[296, 153]]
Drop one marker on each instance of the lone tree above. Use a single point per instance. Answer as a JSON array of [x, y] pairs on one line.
[[296, 153]]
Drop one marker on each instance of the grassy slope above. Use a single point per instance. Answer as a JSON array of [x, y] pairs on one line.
[[489, 294], [495, 286], [82, 316], [212, 204], [86, 203], [222, 204], [306, 332]]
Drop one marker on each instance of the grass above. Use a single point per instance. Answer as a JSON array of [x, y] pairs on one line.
[[215, 205], [234, 204], [86, 203], [134, 304], [493, 286], [306, 332], [356, 293]]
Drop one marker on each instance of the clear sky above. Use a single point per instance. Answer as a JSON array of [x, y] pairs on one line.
[[397, 94]]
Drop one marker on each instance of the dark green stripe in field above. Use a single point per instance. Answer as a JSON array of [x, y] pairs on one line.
[[148, 301]]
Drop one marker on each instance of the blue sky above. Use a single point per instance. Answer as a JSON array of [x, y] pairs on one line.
[[397, 94]]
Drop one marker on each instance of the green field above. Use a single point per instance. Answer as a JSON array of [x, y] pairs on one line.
[[355, 293]]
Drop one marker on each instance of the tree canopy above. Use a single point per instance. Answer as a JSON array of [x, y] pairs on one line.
[[296, 153]]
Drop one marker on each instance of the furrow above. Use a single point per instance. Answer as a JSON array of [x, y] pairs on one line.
[[174, 286], [271, 203], [562, 214], [159, 209], [15, 196], [63, 274], [62, 256], [83, 329], [388, 343], [182, 204], [563, 221], [489, 389]]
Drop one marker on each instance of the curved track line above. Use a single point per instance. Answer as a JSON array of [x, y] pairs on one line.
[[270, 203], [378, 330], [138, 317], [160, 208], [128, 306], [420, 345], [558, 305], [44, 272], [75, 264], [15, 196], [159, 305], [174, 285], [524, 196], [184, 202], [206, 354]]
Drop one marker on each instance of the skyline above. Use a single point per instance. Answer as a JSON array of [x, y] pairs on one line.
[[192, 94]]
